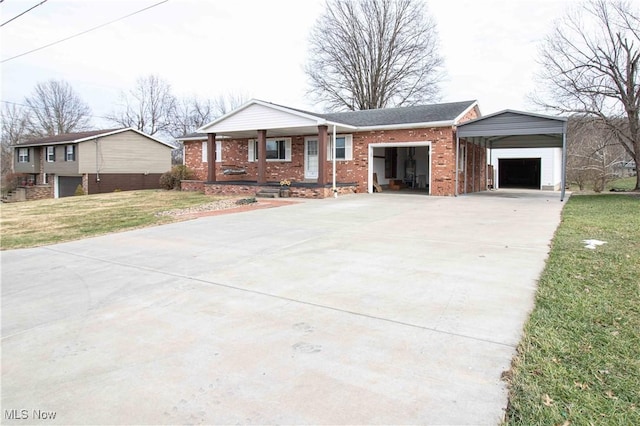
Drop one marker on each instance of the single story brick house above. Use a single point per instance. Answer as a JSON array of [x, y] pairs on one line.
[[98, 160], [413, 148]]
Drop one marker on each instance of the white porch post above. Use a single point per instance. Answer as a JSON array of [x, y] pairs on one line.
[[333, 157]]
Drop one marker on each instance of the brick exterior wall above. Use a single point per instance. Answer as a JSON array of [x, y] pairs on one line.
[[442, 167]]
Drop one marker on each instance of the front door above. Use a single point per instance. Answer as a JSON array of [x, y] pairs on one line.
[[311, 158]]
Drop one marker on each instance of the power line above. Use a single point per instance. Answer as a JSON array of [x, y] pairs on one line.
[[16, 17], [84, 32], [43, 109]]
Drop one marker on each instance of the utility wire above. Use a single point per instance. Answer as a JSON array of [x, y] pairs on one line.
[[83, 32], [43, 109], [16, 17]]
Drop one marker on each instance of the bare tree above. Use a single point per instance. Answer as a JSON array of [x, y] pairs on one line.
[[368, 54], [590, 66], [226, 103], [191, 113], [14, 123], [148, 107], [594, 156], [55, 108]]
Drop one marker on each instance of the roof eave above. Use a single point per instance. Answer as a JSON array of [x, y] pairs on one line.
[[429, 124]]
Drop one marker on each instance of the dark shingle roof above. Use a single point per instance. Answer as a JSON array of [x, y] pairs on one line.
[[66, 137], [402, 115]]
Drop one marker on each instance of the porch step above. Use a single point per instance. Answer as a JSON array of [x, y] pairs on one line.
[[268, 193]]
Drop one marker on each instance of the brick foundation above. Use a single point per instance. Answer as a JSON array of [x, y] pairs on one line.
[[251, 189]]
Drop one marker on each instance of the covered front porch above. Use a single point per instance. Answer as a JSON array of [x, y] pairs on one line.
[[264, 146]]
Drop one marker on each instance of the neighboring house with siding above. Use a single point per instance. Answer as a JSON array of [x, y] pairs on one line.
[[254, 147], [98, 160]]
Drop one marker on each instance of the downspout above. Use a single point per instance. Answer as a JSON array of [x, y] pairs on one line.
[[97, 161], [333, 157], [563, 178], [455, 193]]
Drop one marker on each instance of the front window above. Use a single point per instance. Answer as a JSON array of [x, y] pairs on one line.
[[278, 149], [344, 147], [23, 155], [70, 153], [51, 154]]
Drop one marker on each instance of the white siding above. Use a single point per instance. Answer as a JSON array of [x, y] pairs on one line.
[[127, 152], [550, 162], [260, 117]]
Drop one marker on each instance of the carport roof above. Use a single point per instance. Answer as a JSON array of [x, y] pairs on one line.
[[515, 129]]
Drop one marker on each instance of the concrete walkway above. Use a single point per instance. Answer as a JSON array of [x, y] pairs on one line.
[[367, 309]]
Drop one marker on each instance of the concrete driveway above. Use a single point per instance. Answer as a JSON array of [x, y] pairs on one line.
[[371, 309]]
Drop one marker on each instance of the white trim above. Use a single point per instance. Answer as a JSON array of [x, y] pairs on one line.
[[428, 124], [204, 150], [306, 158], [46, 154], [27, 159], [319, 120], [348, 147], [399, 145], [463, 113]]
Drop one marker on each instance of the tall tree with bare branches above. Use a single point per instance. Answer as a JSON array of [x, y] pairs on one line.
[[55, 108], [590, 67], [14, 126], [148, 107], [368, 54]]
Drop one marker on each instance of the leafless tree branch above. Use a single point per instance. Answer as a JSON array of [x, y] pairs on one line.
[[368, 54]]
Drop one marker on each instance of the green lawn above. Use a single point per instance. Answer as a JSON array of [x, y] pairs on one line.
[[623, 184], [35, 223], [579, 360]]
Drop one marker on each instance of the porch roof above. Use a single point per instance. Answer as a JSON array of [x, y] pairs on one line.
[[279, 120]]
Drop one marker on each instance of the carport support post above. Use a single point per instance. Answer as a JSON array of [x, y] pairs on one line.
[[262, 156], [211, 157], [322, 154], [473, 169]]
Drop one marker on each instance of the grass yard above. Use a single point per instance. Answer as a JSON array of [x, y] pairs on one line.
[[579, 360], [622, 184], [35, 223]]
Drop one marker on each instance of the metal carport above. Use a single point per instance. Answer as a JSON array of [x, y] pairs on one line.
[[515, 129]]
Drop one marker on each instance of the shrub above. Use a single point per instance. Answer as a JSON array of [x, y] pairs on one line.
[[171, 179], [79, 190], [166, 181]]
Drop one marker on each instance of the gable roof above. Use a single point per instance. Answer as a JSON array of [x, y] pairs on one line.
[[257, 114], [516, 129], [418, 114], [68, 138]]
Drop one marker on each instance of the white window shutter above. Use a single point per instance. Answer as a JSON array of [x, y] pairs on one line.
[[252, 150], [287, 149], [348, 147], [218, 151], [329, 148], [204, 151]]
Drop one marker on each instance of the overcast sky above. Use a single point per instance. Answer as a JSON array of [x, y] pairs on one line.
[[258, 48]]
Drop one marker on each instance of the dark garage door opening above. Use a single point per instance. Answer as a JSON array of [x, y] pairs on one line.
[[67, 185], [519, 173]]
